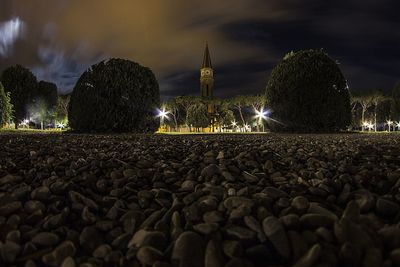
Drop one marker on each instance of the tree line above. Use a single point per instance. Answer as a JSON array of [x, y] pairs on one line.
[[193, 112], [28, 102], [373, 109]]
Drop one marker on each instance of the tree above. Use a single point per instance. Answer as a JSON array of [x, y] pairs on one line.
[[115, 95], [308, 92], [61, 113], [174, 112], [239, 103], [226, 117], [257, 102], [20, 82], [198, 115], [48, 92], [377, 97], [40, 112], [43, 103], [5, 107], [365, 101], [185, 102], [395, 107]]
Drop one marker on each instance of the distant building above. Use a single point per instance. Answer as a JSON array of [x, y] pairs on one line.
[[206, 75]]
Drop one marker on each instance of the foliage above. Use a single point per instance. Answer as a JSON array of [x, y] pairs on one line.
[[395, 107], [184, 102], [48, 92], [115, 95], [20, 82], [308, 92], [174, 113], [40, 112], [227, 117], [239, 103], [5, 107], [62, 108], [197, 115]]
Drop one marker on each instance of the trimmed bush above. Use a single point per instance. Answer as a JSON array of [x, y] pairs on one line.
[[307, 92], [115, 96]]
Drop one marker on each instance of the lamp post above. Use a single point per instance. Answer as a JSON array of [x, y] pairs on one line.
[[261, 115], [162, 113]]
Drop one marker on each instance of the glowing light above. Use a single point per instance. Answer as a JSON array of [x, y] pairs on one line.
[[60, 125], [25, 122], [365, 124], [10, 31], [163, 114], [370, 126], [398, 124], [389, 123], [234, 123], [261, 114]]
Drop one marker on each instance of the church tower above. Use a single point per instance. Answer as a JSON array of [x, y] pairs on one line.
[[206, 75]]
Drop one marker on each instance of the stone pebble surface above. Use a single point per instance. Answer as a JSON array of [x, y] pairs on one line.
[[199, 200]]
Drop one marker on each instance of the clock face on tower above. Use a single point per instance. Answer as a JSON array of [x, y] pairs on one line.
[[206, 72]]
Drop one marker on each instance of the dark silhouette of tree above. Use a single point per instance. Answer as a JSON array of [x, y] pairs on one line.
[[62, 108], [198, 115], [5, 107], [308, 92], [20, 82], [395, 108], [115, 95]]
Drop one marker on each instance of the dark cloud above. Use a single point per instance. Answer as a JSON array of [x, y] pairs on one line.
[[247, 38]]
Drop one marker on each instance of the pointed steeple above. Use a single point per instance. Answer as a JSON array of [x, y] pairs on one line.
[[206, 59]]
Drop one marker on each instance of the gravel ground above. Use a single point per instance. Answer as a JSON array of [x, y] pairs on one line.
[[215, 200]]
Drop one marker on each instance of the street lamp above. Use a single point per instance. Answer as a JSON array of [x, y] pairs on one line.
[[389, 123], [162, 113], [370, 126], [261, 115]]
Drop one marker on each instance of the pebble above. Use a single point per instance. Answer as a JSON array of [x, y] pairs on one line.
[[45, 239], [10, 208], [189, 250], [59, 254], [148, 255], [309, 259], [387, 208], [276, 234]]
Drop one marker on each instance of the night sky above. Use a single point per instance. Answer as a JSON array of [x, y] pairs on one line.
[[59, 39]]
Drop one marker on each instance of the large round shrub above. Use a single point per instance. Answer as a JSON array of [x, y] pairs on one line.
[[307, 92], [115, 96]]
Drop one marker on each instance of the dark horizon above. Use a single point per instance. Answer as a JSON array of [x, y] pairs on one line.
[[61, 39]]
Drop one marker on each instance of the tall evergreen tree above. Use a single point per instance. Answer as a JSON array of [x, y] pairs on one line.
[[5, 107], [20, 82]]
